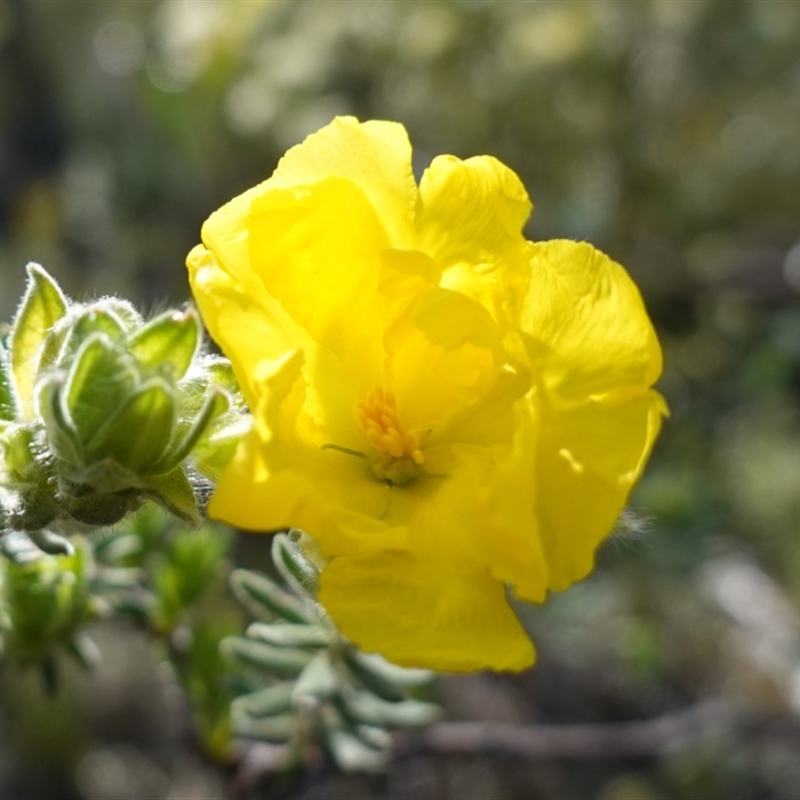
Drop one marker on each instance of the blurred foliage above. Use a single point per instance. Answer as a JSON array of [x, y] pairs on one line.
[[663, 131], [307, 686]]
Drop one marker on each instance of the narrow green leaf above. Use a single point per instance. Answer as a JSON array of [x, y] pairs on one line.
[[318, 679], [281, 661], [266, 702], [52, 543], [138, 433], [42, 306], [352, 754], [284, 634], [369, 709], [372, 677], [293, 565], [268, 729], [168, 343], [266, 600]]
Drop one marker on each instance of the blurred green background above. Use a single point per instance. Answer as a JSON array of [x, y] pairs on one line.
[[666, 132]]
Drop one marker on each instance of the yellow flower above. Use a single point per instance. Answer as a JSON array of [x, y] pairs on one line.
[[445, 407]]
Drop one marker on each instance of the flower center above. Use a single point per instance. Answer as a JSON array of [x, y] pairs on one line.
[[399, 455]]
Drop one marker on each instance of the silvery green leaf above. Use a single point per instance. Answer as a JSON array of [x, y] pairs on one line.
[[62, 437], [99, 380], [317, 680], [42, 306], [352, 754], [280, 661], [115, 548], [290, 635], [364, 671], [377, 738], [295, 568], [115, 579], [265, 600], [140, 430], [167, 343], [51, 543], [369, 709], [402, 676], [85, 651], [266, 702], [269, 729]]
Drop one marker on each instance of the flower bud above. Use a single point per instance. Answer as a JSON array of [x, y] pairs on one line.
[[100, 410]]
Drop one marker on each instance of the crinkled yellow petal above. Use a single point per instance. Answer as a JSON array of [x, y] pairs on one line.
[[443, 615], [588, 458], [470, 220], [248, 324], [584, 322], [375, 156], [476, 504], [317, 250], [443, 353]]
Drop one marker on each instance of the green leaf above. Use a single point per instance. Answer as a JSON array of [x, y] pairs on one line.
[[123, 310], [42, 306], [266, 702], [352, 754], [367, 708], [139, 432], [175, 493], [100, 378], [92, 319], [51, 543], [269, 729], [61, 434], [369, 673], [295, 568], [216, 403], [288, 635], [281, 661], [265, 600], [8, 406], [168, 343], [318, 679]]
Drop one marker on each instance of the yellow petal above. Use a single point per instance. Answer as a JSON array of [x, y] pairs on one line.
[[318, 251], [470, 220], [445, 616], [584, 322], [588, 459], [375, 156], [248, 324]]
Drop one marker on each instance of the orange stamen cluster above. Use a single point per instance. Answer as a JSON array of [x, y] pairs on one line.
[[377, 416]]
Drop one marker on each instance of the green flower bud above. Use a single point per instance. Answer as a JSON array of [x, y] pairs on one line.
[[100, 410]]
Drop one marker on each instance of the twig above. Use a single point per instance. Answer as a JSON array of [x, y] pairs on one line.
[[612, 740]]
